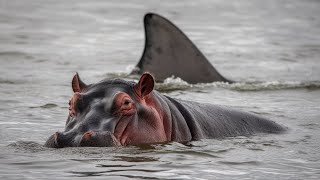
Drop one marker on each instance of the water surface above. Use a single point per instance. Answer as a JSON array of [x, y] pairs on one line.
[[271, 48]]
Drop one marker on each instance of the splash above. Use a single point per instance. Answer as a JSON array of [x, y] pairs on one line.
[[173, 84], [177, 84], [274, 85]]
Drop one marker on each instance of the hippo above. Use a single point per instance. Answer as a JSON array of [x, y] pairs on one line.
[[121, 113]]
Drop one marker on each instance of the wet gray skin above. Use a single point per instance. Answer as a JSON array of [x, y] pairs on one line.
[[92, 120], [118, 112]]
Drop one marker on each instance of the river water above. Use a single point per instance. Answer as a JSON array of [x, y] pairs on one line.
[[271, 48]]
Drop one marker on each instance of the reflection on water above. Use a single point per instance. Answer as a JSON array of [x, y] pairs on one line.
[[270, 48]]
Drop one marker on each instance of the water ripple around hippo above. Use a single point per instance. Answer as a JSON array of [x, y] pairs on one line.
[[177, 84]]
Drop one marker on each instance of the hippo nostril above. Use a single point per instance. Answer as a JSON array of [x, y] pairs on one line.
[[62, 140], [87, 138], [56, 136], [57, 139], [98, 139], [87, 135], [53, 141]]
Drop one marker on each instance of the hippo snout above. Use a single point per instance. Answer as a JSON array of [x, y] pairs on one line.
[[51, 142], [89, 138], [98, 139], [60, 140]]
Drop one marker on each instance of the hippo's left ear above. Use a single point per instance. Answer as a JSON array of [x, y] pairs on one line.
[[77, 84], [145, 85]]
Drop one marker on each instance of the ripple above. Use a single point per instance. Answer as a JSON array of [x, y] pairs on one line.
[[310, 125], [8, 81], [28, 146], [113, 166], [5, 81], [192, 153], [225, 172], [15, 54], [134, 159], [223, 150], [46, 106], [255, 149], [177, 84], [255, 163], [275, 85], [107, 172]]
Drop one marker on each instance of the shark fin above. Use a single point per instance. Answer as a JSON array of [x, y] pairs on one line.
[[169, 52]]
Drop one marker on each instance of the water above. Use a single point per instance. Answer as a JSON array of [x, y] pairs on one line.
[[271, 48]]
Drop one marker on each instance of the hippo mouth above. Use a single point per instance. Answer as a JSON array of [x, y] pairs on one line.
[[121, 130], [88, 139]]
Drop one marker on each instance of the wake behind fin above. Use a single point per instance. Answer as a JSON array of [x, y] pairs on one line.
[[169, 52]]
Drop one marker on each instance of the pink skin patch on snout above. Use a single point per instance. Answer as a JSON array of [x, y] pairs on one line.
[[87, 135]]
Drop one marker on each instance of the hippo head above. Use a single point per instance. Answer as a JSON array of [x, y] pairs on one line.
[[112, 113]]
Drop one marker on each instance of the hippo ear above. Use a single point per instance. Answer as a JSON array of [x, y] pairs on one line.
[[145, 85], [77, 84]]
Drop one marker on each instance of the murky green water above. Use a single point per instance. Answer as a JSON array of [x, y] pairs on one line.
[[272, 48]]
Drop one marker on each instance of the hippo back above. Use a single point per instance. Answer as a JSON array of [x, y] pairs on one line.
[[213, 121]]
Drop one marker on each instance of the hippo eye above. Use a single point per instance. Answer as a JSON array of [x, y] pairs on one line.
[[123, 104], [126, 102]]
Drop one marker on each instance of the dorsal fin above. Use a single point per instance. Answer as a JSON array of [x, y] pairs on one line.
[[168, 51]]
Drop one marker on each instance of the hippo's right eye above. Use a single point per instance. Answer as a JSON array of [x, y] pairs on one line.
[[127, 102], [123, 104]]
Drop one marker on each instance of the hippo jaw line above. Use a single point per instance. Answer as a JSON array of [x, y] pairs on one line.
[[121, 129]]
